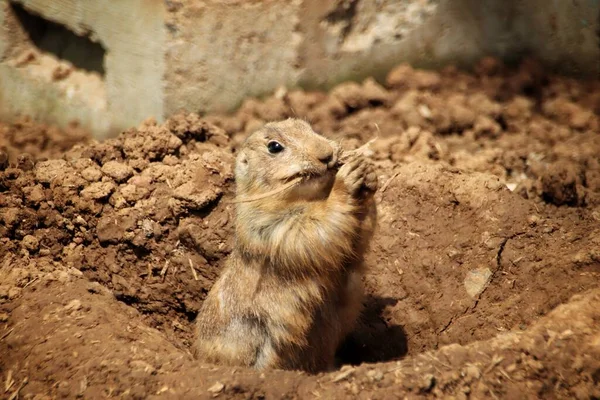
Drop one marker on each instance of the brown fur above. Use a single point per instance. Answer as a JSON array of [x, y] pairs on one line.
[[292, 287]]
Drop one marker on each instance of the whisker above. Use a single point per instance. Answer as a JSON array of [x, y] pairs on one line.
[[270, 193]]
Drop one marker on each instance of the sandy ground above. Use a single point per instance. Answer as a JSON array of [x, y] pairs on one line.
[[483, 274]]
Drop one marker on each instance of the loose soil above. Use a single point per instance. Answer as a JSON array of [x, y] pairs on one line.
[[25, 141], [483, 274]]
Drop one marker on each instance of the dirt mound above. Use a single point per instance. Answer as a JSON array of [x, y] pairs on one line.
[[536, 132], [139, 214], [86, 344], [489, 219], [26, 141]]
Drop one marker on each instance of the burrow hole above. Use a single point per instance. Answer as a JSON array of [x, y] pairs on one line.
[[56, 39]]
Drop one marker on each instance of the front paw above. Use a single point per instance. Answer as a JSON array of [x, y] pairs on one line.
[[351, 175], [370, 183]]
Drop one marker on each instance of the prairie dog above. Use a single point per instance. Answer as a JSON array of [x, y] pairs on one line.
[[291, 289]]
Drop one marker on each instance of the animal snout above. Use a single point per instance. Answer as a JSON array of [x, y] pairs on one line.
[[327, 156]]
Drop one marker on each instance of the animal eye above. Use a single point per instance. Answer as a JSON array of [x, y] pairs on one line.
[[274, 147]]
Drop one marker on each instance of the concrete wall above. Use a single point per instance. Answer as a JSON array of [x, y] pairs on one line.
[[165, 56], [43, 86]]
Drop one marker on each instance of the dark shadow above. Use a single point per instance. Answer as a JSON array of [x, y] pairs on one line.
[[54, 38], [373, 340]]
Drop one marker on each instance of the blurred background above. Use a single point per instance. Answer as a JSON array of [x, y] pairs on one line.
[[111, 65]]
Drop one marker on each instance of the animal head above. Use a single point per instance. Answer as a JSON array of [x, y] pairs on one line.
[[282, 151]]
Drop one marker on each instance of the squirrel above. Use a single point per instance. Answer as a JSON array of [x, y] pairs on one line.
[[291, 289]]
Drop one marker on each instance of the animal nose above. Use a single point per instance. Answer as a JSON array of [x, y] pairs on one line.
[[326, 157]]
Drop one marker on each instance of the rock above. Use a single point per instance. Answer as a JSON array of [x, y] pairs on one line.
[[477, 280], [216, 388]]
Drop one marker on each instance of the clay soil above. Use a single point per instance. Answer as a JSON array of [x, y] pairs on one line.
[[483, 276]]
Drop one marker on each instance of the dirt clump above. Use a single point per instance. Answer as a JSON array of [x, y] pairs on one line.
[[483, 273], [24, 141]]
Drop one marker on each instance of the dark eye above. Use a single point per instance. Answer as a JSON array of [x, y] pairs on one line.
[[274, 147]]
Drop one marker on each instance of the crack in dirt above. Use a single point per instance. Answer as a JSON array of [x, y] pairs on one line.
[[498, 264], [494, 273], [499, 254], [457, 316]]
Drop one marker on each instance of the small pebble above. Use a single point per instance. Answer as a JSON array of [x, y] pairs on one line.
[[216, 388], [477, 280]]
